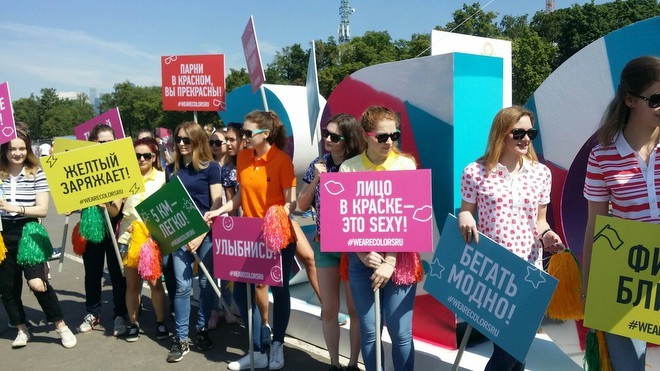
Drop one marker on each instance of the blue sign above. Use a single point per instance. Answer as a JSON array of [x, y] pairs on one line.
[[492, 289]]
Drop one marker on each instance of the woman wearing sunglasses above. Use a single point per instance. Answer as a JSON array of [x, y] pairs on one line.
[[510, 190], [373, 271], [200, 175], [266, 177], [342, 139], [146, 151], [620, 175]]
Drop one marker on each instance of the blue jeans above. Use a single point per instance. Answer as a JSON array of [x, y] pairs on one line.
[[281, 303], [396, 310], [626, 353], [183, 272]]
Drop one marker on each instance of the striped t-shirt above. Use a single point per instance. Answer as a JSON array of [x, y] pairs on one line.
[[22, 190], [618, 174]]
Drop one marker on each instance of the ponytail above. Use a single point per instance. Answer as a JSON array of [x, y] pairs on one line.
[[268, 120]]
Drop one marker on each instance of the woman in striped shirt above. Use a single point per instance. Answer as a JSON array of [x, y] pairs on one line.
[[624, 172]]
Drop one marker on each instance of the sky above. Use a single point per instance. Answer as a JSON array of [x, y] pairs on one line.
[[76, 45]]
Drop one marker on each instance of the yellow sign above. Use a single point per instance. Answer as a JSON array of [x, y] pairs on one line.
[[93, 175], [61, 144], [624, 279]]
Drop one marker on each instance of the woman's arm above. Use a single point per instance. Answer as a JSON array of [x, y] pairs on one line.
[[289, 199], [228, 207], [466, 222], [230, 192], [306, 195], [40, 208], [594, 209], [113, 207], [549, 238]]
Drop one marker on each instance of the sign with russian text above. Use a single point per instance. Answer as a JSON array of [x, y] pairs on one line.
[[493, 290], [93, 175], [61, 144], [240, 253], [623, 295], [252, 56], [376, 211], [171, 216], [109, 117], [7, 124], [312, 87], [193, 82]]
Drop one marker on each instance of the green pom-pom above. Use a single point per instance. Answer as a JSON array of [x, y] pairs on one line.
[[591, 356], [34, 246], [92, 224]]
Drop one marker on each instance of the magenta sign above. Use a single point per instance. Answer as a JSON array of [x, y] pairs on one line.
[[252, 56], [7, 124], [377, 211], [109, 117], [240, 253]]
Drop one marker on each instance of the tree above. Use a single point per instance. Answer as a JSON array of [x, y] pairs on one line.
[[532, 59], [472, 20], [289, 66], [236, 78]]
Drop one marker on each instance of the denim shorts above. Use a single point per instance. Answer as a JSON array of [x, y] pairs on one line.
[[324, 259]]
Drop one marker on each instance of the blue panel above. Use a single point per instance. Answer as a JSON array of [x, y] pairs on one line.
[[478, 96], [538, 144]]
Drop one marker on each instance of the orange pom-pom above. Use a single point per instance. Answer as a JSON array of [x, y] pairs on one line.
[[566, 303], [78, 241], [343, 267], [277, 228]]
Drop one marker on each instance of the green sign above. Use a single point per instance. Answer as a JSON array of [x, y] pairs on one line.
[[171, 216]]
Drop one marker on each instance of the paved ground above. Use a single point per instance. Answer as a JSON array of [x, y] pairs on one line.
[[100, 350]]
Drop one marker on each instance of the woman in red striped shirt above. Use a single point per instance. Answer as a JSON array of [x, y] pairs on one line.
[[624, 172]]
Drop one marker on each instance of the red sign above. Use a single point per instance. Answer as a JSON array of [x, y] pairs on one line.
[[193, 82], [252, 56]]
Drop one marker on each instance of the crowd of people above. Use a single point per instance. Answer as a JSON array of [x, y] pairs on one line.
[[242, 169]]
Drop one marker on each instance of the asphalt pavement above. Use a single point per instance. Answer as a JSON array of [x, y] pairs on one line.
[[99, 349]]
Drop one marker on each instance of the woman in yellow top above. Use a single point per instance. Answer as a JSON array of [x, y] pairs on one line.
[[146, 151]]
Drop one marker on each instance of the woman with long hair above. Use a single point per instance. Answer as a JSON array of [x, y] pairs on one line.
[[342, 138], [25, 199], [375, 270], [200, 175], [494, 187], [97, 254], [146, 151], [266, 177], [623, 175]]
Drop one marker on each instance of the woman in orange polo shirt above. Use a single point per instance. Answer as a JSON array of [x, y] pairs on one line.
[[266, 177]]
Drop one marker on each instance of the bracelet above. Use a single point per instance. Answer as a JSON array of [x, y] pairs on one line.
[[21, 210], [544, 232]]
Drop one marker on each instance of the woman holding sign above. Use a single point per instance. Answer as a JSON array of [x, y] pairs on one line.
[[369, 272], [622, 172], [146, 150], [342, 138], [510, 190], [266, 177], [25, 197], [200, 175]]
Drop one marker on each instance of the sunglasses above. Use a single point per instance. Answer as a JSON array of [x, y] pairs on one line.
[[382, 138], [216, 142], [334, 138], [103, 141], [519, 134], [653, 100], [251, 133], [146, 156], [185, 140]]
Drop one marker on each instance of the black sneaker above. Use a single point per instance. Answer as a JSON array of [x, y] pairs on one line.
[[352, 368], [335, 368], [161, 331], [133, 333], [203, 341], [178, 350]]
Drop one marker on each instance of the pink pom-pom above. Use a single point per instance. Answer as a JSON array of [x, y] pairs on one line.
[[149, 267], [78, 241], [408, 268], [277, 228]]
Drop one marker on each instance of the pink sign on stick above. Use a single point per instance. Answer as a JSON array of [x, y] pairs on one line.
[[377, 211], [7, 124], [109, 117], [240, 253], [252, 55]]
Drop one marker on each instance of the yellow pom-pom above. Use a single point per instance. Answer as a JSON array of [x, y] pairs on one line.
[[3, 249], [138, 238], [566, 302]]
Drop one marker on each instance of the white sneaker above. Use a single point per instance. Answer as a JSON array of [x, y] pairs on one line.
[[276, 356], [88, 323], [22, 338], [260, 361], [120, 326], [68, 339]]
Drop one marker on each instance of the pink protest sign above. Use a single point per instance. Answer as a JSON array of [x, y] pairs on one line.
[[109, 117], [252, 56], [240, 253], [7, 124], [377, 211]]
